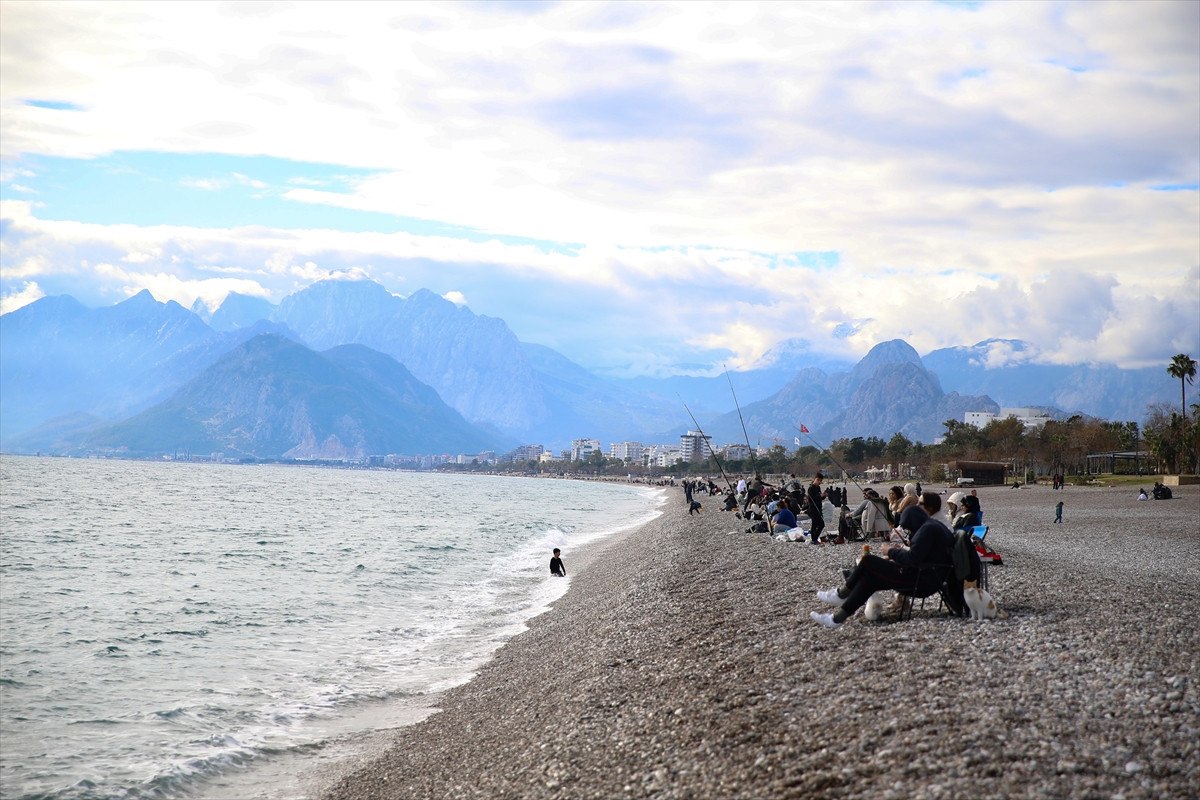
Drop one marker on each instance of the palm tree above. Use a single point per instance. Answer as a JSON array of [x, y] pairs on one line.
[[1183, 367]]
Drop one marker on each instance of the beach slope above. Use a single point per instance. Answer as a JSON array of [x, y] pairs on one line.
[[682, 663]]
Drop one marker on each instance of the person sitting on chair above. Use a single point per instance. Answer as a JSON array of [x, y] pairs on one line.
[[961, 509], [910, 499], [870, 517], [899, 568]]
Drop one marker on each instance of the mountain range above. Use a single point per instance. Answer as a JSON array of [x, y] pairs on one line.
[[425, 375]]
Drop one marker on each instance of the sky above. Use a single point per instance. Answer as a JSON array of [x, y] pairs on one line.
[[648, 188]]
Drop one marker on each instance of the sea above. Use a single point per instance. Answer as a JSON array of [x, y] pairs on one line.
[[173, 629]]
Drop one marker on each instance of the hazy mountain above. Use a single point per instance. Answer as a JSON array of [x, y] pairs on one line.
[[580, 403], [478, 366], [474, 362], [236, 311], [795, 354], [888, 391], [272, 397], [59, 358], [1004, 369], [64, 368], [706, 396]]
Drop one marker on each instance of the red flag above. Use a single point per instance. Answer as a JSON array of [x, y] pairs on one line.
[[802, 428]]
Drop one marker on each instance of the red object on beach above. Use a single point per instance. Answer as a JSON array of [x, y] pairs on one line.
[[987, 554]]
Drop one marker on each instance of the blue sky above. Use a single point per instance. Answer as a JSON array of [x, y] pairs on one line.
[[638, 185]]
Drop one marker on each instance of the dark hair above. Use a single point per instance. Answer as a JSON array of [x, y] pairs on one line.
[[931, 502], [819, 475], [556, 550]]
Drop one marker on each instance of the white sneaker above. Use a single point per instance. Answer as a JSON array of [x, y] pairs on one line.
[[824, 620], [830, 597]]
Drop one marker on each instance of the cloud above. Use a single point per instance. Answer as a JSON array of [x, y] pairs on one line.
[[655, 307], [669, 172], [28, 293]]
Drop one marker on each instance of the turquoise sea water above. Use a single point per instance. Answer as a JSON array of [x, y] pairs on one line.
[[164, 626]]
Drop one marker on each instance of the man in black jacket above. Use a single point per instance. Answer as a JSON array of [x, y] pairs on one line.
[[900, 568], [815, 498]]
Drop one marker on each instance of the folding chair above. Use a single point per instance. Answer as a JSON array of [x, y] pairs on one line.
[[924, 589], [979, 533]]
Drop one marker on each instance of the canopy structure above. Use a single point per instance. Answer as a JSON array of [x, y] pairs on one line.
[[1119, 462], [983, 473]]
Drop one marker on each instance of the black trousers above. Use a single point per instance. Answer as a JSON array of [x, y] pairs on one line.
[[873, 574], [818, 524]]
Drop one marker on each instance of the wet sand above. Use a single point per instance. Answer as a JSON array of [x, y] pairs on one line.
[[682, 664]]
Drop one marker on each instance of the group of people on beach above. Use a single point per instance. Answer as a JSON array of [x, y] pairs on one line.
[[1159, 492], [907, 519]]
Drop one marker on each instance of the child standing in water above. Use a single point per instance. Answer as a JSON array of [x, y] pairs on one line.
[[556, 565]]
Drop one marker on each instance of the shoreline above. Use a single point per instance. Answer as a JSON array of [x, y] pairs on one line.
[[310, 771], [682, 663]]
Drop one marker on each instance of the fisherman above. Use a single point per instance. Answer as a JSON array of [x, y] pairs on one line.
[[815, 498], [753, 492]]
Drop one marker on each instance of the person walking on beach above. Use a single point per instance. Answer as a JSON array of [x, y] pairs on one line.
[[556, 565], [1058, 511]]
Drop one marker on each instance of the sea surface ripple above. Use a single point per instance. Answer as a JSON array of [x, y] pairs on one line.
[[165, 624]]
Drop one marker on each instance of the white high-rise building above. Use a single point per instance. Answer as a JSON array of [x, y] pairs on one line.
[[694, 446]]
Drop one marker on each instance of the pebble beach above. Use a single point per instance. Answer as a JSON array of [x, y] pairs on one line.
[[682, 663]]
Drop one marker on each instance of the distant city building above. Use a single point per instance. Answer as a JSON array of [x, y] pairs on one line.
[[979, 419], [694, 446], [627, 451], [662, 455], [736, 452], [582, 449], [1031, 418], [528, 452], [883, 473]]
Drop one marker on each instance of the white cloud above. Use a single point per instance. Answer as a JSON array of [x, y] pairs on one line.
[[654, 307], [28, 293], [982, 172]]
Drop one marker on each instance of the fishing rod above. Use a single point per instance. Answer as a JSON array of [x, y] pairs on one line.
[[829, 453], [711, 448], [753, 464]]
